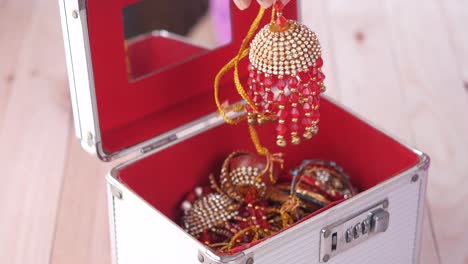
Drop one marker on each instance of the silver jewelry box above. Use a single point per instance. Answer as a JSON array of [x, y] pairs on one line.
[[170, 147]]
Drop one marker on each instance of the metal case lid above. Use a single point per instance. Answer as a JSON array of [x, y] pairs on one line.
[[115, 114]]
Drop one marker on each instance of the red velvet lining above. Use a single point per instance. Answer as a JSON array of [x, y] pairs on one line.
[[124, 105], [134, 111], [368, 155], [158, 123]]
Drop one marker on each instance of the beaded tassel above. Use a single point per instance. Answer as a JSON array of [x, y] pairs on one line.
[[286, 79]]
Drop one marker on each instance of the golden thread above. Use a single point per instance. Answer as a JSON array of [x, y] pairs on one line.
[[286, 219], [270, 158], [234, 63], [256, 140], [218, 244], [215, 185], [223, 71], [273, 14], [240, 234], [310, 194]]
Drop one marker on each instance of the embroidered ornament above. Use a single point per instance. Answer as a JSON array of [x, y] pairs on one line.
[[286, 79], [284, 85]]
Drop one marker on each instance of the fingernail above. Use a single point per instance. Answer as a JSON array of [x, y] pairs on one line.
[[265, 3], [242, 4]]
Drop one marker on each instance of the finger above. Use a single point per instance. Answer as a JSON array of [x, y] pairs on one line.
[[265, 3], [242, 4]]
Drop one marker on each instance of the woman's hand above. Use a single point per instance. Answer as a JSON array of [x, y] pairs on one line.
[[243, 4]]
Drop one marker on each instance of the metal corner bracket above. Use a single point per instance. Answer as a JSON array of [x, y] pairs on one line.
[[209, 257], [115, 191]]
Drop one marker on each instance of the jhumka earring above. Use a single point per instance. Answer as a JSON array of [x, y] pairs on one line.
[[285, 78]]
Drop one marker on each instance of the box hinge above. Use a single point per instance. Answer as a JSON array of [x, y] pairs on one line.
[[159, 144]]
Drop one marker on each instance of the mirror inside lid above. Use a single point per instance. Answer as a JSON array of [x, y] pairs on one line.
[[192, 28], [154, 63]]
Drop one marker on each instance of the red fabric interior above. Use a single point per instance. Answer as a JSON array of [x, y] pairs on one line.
[[133, 111], [368, 155], [128, 110], [151, 54]]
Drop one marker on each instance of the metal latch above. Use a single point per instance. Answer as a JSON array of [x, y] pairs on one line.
[[354, 230]]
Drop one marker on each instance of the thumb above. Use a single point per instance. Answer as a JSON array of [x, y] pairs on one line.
[[242, 4], [265, 3]]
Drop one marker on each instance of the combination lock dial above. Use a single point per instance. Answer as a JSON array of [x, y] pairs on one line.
[[353, 230]]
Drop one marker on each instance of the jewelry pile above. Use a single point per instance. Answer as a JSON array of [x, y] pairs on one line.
[[243, 206]]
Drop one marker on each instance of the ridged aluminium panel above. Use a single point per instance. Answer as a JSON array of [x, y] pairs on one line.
[[143, 235], [396, 246]]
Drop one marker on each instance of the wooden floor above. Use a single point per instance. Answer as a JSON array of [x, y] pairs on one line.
[[402, 64]]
